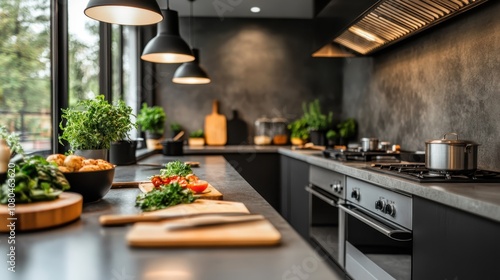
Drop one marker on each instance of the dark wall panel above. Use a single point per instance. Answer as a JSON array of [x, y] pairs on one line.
[[259, 67], [444, 80]]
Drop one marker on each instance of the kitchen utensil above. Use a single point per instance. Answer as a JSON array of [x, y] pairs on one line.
[[118, 220], [237, 130], [172, 147], [369, 144], [251, 233], [178, 136], [209, 220], [199, 207], [215, 127], [452, 155], [45, 214], [209, 193], [384, 146]]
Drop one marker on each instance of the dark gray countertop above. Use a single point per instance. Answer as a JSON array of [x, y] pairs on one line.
[[482, 199], [85, 250]]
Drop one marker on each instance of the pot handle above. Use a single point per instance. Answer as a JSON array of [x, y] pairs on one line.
[[450, 133], [468, 148]]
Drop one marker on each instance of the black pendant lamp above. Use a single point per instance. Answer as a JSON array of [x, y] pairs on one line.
[[168, 46], [191, 72], [125, 12]]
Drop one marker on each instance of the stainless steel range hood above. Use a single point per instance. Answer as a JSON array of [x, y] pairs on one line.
[[389, 21]]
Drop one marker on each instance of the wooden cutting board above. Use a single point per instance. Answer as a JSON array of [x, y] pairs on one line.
[[237, 130], [209, 193], [215, 127], [254, 233], [202, 206], [40, 215]]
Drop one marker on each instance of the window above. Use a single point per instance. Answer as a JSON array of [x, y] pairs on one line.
[[25, 106]]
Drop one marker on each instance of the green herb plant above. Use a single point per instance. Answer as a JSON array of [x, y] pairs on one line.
[[93, 124], [197, 134], [298, 129], [314, 118], [12, 140], [331, 134], [163, 197], [175, 127], [34, 179], [152, 119], [176, 168], [347, 128]]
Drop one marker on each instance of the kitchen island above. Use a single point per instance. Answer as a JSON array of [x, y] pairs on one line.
[[85, 250]]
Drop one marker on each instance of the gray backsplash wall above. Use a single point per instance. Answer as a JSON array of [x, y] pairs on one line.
[[258, 67], [445, 80]]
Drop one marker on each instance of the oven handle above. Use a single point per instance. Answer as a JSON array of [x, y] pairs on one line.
[[322, 196], [398, 234]]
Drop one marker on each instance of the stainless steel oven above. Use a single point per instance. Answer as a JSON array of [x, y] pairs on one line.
[[327, 192], [378, 232]]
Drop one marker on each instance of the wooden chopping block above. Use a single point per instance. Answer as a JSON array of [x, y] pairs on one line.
[[215, 127], [45, 214]]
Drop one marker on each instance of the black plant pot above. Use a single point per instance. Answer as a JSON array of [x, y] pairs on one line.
[[173, 148], [123, 152], [318, 137]]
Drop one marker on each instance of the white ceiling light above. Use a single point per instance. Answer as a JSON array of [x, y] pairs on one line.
[[255, 9]]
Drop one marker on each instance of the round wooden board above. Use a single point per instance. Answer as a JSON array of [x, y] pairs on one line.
[[45, 214]]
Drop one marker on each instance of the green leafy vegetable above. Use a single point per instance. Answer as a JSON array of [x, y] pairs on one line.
[[176, 168], [163, 197], [34, 179]]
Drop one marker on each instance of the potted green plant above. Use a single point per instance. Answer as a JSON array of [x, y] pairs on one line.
[[9, 146], [347, 130], [92, 125], [175, 128], [152, 122], [317, 122], [332, 136], [196, 138], [299, 133]]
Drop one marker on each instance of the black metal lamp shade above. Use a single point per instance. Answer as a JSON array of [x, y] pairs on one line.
[[191, 72], [125, 12], [168, 46]]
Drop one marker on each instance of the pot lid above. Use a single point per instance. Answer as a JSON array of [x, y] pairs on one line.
[[456, 141]]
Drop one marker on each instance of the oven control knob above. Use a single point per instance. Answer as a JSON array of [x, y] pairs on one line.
[[337, 188], [390, 209], [356, 194], [380, 205]]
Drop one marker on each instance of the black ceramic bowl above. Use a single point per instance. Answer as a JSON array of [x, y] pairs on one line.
[[172, 148], [92, 185]]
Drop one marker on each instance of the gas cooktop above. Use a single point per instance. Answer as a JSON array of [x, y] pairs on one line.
[[419, 173], [348, 155]]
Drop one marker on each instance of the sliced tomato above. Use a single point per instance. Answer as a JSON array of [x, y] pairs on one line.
[[157, 181], [198, 186]]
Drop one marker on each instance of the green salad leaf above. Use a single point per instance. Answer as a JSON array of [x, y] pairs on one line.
[[163, 197], [33, 179], [176, 168]]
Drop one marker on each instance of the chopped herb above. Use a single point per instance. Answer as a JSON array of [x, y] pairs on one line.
[[163, 197], [176, 168]]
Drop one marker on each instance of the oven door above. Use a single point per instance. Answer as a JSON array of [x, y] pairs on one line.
[[327, 223], [375, 248]]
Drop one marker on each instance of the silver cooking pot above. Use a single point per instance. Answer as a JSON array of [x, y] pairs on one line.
[[451, 154]]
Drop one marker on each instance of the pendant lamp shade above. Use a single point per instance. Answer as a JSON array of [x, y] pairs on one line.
[[168, 46], [125, 12], [191, 72]]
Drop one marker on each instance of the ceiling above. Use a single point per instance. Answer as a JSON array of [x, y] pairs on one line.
[[302, 9]]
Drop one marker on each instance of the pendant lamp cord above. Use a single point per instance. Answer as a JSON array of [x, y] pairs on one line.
[[191, 41], [168, 5]]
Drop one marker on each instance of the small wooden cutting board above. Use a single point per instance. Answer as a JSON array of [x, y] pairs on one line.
[[45, 214], [209, 193], [215, 127]]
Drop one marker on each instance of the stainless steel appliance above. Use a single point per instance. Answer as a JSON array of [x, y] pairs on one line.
[[419, 173], [327, 191], [378, 232]]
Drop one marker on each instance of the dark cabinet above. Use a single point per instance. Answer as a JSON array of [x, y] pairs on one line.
[[261, 171], [452, 244], [294, 198]]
